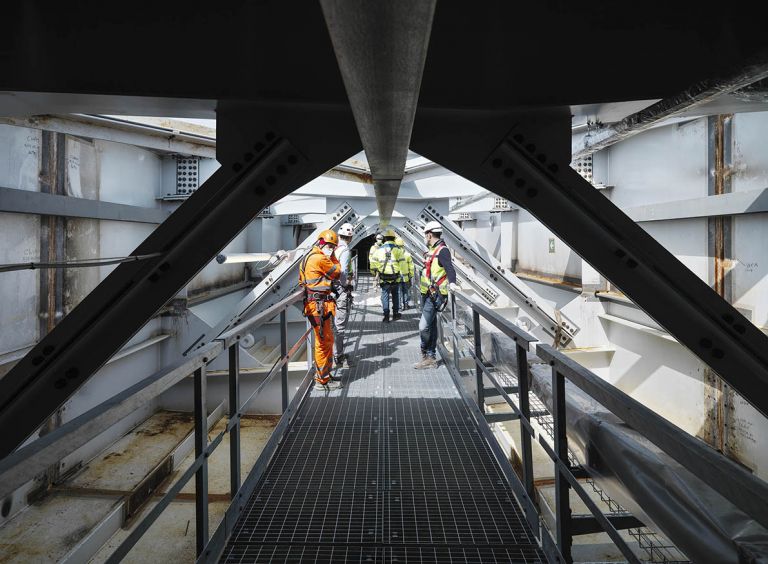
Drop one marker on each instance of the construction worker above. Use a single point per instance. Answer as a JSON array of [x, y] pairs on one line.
[[377, 243], [437, 278], [318, 271], [344, 299], [406, 273], [386, 267]]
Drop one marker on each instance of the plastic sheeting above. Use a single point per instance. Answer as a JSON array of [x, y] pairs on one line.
[[650, 484]]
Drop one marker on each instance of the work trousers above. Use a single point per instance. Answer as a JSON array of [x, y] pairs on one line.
[[322, 327], [343, 307], [386, 288], [428, 323], [405, 292]]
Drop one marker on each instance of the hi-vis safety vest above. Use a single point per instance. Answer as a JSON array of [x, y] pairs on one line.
[[434, 275], [407, 271], [386, 261], [315, 274]]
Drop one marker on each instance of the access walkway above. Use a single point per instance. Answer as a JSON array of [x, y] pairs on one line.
[[391, 468]]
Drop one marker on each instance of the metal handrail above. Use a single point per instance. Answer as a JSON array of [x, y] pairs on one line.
[[735, 483], [732, 481], [203, 448]]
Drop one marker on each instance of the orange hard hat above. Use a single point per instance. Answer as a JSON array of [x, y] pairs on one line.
[[328, 236]]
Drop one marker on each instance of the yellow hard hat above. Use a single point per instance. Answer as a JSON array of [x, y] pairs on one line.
[[399, 241], [328, 236], [390, 233]]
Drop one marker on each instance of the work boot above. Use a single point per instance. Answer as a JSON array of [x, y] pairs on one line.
[[427, 363], [328, 387], [342, 361], [386, 317], [396, 316]]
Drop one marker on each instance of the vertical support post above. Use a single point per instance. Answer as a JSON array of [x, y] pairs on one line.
[[310, 347], [479, 355], [283, 352], [562, 489], [234, 417], [525, 439], [201, 476], [455, 334]]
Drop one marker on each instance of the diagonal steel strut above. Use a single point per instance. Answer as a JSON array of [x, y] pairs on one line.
[[537, 177], [268, 167]]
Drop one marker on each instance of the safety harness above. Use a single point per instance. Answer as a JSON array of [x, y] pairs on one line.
[[320, 298], [384, 276], [434, 285]]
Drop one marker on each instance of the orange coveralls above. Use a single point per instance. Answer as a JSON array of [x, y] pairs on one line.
[[316, 273]]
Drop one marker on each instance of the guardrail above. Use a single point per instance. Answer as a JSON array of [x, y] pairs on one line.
[[735, 483], [229, 341]]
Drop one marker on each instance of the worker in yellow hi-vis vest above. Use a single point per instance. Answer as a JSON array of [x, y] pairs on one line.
[[406, 273], [386, 265]]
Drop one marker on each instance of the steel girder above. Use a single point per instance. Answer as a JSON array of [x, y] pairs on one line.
[[265, 153], [551, 320], [413, 239], [381, 48], [525, 158], [282, 281]]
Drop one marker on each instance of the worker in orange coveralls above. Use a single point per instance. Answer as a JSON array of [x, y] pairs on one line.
[[318, 271]]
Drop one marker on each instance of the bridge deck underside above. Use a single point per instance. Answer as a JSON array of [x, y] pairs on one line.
[[391, 468]]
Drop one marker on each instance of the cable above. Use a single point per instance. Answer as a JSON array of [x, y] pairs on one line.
[[75, 263]]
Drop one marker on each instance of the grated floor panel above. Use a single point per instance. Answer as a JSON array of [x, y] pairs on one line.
[[391, 468]]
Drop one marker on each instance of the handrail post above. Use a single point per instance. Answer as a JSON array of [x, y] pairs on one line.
[[283, 352], [562, 489], [455, 334], [234, 417], [201, 476], [479, 355], [525, 412]]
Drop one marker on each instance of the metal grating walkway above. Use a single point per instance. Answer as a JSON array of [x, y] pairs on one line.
[[391, 468]]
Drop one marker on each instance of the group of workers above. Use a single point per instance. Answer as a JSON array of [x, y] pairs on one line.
[[392, 266], [327, 276]]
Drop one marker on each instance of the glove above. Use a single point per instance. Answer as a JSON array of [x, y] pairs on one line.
[[454, 287]]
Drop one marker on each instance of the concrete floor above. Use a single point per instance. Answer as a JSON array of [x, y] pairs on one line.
[[49, 530]]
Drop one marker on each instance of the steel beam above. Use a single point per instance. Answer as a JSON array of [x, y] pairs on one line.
[[551, 320], [259, 165], [411, 234], [528, 164], [381, 48], [40, 203], [679, 104], [279, 283]]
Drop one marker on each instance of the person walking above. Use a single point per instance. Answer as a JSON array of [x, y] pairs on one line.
[[344, 299], [375, 247], [406, 273], [317, 272], [386, 267], [437, 278]]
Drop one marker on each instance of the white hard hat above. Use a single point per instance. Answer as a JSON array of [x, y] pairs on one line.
[[346, 230], [379, 237], [432, 227]]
